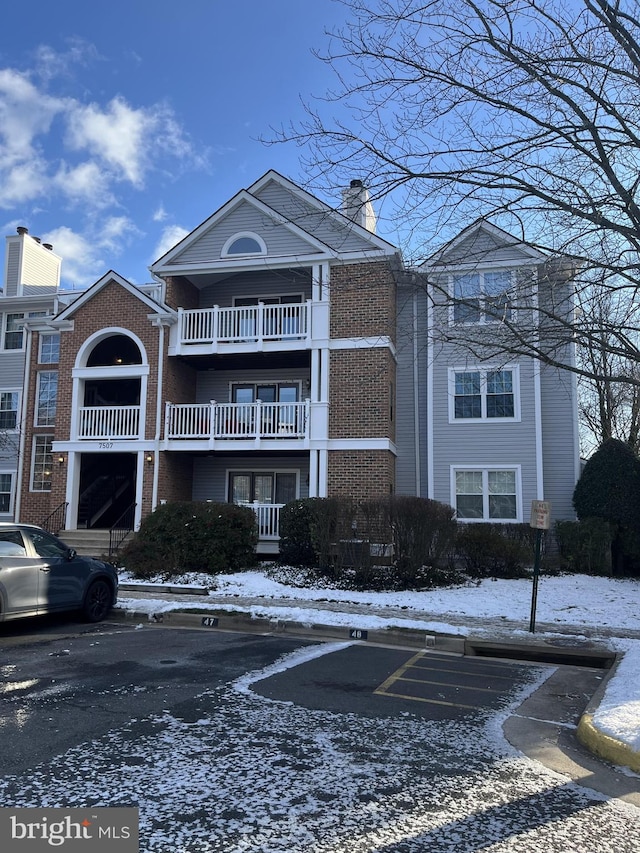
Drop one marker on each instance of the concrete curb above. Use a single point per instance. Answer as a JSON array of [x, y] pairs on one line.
[[600, 743], [595, 740]]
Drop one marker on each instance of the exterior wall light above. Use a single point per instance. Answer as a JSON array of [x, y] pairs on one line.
[[149, 458], [60, 460]]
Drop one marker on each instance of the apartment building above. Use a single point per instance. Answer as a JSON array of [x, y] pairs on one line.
[[281, 351]]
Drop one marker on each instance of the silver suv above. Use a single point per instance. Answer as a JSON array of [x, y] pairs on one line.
[[40, 574]]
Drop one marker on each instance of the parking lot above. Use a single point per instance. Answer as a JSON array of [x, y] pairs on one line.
[[231, 742]]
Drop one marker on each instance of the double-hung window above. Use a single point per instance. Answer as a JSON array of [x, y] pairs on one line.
[[47, 398], [482, 297], [8, 410], [482, 394], [487, 494], [6, 479], [42, 463], [13, 328]]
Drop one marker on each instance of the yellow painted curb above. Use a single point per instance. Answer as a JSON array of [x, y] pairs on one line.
[[605, 746]]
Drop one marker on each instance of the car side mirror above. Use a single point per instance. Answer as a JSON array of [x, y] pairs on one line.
[[71, 554]]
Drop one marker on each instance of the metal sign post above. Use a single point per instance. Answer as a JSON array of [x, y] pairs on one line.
[[540, 520]]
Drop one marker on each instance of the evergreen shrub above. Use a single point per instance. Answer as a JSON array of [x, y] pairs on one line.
[[495, 550], [193, 536]]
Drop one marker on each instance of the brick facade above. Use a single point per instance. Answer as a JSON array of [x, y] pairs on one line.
[[361, 474], [363, 301], [361, 386]]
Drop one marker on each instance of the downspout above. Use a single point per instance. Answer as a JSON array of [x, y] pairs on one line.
[[23, 421], [159, 418]]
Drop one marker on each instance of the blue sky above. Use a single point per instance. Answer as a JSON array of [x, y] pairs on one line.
[[124, 124]]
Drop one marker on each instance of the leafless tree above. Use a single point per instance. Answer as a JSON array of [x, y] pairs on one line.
[[525, 113]]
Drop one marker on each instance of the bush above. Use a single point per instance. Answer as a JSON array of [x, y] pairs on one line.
[[350, 541], [584, 546], [496, 550], [193, 536], [296, 545]]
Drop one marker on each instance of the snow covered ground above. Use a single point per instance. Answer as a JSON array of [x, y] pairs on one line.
[[594, 605]]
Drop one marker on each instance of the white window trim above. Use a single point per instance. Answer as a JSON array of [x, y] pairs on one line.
[[17, 391], [40, 341], [483, 321], [485, 493], [235, 383], [12, 493], [243, 469], [37, 399], [238, 236], [483, 370], [33, 462]]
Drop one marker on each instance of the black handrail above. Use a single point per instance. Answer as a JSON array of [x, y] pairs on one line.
[[121, 529], [56, 520]]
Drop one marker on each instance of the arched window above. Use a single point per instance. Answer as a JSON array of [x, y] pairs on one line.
[[115, 349], [244, 243]]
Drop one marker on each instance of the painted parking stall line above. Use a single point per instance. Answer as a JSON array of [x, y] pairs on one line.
[[456, 683]]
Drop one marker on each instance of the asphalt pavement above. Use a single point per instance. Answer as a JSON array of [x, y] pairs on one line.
[[586, 661]]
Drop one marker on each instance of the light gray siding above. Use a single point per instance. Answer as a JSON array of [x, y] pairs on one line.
[[252, 284], [279, 239], [560, 440], [411, 393], [482, 443], [216, 384], [11, 367], [13, 268], [483, 248], [210, 478], [331, 230]]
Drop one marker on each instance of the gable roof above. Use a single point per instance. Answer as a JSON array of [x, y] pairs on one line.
[[310, 229], [482, 243], [109, 278]]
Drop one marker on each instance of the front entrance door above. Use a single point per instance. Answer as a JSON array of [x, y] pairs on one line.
[[107, 488]]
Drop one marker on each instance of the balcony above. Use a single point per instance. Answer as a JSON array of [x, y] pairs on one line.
[[250, 328], [105, 423], [236, 421]]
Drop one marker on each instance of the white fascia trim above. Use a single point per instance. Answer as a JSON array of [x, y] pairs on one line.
[[246, 264], [110, 372], [164, 265], [94, 446], [272, 175], [355, 444], [482, 264], [377, 342]]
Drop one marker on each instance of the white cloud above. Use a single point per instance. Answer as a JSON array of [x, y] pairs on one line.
[[160, 214], [25, 114], [86, 257], [128, 141], [85, 183], [171, 235], [118, 135]]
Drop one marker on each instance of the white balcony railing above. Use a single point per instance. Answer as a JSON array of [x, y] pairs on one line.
[[237, 420], [268, 516], [108, 422], [249, 323]]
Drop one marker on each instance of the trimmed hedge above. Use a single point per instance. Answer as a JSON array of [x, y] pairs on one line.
[[496, 550], [193, 536]]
